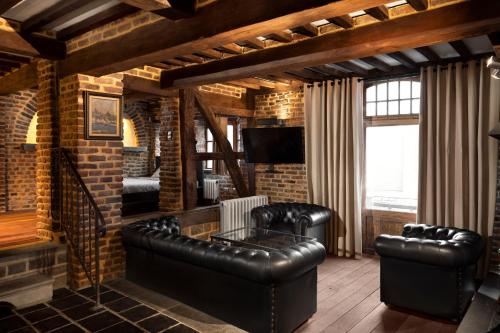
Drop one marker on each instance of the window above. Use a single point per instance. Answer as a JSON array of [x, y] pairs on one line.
[[391, 145], [209, 144]]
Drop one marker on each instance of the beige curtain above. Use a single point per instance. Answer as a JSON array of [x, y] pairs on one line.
[[333, 132], [458, 161]]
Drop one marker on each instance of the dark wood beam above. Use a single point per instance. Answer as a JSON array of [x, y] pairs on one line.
[[308, 30], [5, 5], [419, 4], [222, 102], [451, 22], [461, 48], [377, 63], [15, 58], [380, 13], [495, 42], [244, 84], [403, 59], [188, 148], [48, 48], [12, 42], [97, 20], [148, 5], [231, 48], [255, 43], [209, 54], [281, 36], [146, 86], [327, 71], [344, 21], [428, 53], [24, 78], [229, 159], [242, 19], [191, 58], [51, 14], [352, 67]]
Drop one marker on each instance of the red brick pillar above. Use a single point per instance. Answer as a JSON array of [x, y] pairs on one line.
[[100, 164], [171, 163], [3, 161], [47, 139]]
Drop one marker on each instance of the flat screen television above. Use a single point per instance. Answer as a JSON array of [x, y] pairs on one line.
[[274, 145]]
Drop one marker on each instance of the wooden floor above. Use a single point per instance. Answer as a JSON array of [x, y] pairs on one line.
[[17, 229], [349, 301]]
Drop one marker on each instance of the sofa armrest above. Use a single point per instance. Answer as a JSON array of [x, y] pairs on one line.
[[452, 253], [315, 217]]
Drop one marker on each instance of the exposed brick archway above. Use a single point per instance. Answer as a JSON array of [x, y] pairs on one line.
[[18, 184]]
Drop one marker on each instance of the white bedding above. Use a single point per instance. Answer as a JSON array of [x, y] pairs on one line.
[[140, 184]]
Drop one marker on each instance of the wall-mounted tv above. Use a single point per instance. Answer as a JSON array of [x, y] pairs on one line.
[[274, 145]]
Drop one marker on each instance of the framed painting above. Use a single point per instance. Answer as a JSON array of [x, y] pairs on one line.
[[103, 116]]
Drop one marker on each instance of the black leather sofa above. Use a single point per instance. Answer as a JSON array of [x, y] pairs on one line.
[[256, 290], [429, 269], [297, 218]]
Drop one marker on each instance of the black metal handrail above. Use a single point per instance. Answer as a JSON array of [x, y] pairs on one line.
[[79, 217]]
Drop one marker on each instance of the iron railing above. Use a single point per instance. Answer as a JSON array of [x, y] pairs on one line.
[[79, 216]]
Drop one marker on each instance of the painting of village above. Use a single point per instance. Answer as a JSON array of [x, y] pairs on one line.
[[103, 117]]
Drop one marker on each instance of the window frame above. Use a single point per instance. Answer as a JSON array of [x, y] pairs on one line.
[[205, 167], [384, 120]]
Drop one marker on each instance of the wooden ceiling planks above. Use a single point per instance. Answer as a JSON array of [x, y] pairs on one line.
[[451, 22]]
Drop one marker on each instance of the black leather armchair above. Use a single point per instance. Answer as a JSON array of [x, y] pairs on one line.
[[429, 269], [257, 290], [297, 218]]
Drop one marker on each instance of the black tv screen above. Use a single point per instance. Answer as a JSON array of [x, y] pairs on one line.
[[274, 145]]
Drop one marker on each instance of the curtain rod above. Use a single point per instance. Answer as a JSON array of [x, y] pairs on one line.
[[405, 75]]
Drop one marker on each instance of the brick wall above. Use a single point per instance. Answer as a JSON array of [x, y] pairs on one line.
[[47, 138], [289, 183], [171, 167], [99, 163], [135, 162], [18, 181]]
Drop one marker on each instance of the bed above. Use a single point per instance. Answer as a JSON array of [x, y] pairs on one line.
[[140, 195]]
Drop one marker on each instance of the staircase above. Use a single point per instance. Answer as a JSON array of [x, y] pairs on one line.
[[78, 215]]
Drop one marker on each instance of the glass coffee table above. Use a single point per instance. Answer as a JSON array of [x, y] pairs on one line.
[[257, 238]]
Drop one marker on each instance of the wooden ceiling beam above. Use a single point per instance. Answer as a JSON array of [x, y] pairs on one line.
[[428, 53], [495, 42], [146, 86], [191, 58], [5, 5], [255, 43], [231, 48], [148, 5], [12, 42], [419, 4], [242, 20], [380, 13], [24, 78], [461, 48], [327, 71], [352, 67], [209, 54], [244, 84], [451, 22], [97, 20], [308, 30], [377, 63], [403, 59], [48, 48], [60, 9], [344, 21], [281, 36]]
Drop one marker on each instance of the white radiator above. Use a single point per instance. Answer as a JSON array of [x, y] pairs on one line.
[[235, 213], [211, 189]]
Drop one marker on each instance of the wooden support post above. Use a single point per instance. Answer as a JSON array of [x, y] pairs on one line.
[[188, 149], [224, 145], [250, 101]]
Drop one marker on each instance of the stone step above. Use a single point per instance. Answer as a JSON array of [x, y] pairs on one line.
[[26, 291]]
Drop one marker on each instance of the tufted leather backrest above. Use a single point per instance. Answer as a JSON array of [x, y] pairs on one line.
[[290, 216], [251, 264], [435, 245]]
